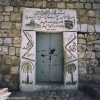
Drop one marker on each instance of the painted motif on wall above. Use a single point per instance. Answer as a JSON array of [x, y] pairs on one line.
[[29, 47], [27, 67], [49, 19], [33, 24], [70, 43], [27, 57], [68, 24], [71, 47], [70, 68]]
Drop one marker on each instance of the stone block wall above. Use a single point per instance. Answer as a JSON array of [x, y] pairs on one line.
[[88, 18], [89, 58]]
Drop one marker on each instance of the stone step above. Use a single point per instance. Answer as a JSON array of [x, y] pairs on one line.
[[93, 90], [3, 90], [5, 96]]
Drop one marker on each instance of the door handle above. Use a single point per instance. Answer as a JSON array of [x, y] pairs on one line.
[[52, 51]]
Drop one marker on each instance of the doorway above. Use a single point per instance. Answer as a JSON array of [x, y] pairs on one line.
[[49, 57]]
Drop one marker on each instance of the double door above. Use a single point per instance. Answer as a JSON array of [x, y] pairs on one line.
[[49, 57]]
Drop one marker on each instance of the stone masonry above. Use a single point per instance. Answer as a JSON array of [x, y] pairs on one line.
[[88, 18]]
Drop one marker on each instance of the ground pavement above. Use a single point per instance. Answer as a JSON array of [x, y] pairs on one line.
[[47, 95]]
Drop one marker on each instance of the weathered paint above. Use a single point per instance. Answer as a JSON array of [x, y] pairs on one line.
[[42, 57], [49, 57], [48, 20], [56, 57]]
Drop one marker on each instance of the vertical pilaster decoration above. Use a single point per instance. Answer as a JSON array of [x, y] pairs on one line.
[[28, 55], [70, 59], [28, 58]]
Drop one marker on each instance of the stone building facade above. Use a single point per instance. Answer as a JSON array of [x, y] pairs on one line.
[[88, 36]]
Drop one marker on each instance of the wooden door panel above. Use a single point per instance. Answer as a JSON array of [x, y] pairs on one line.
[[56, 57], [49, 57], [42, 57]]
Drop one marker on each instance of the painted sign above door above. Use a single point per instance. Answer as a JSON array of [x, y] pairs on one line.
[[49, 19]]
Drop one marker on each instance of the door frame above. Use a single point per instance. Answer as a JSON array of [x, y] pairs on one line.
[[70, 60], [67, 24]]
